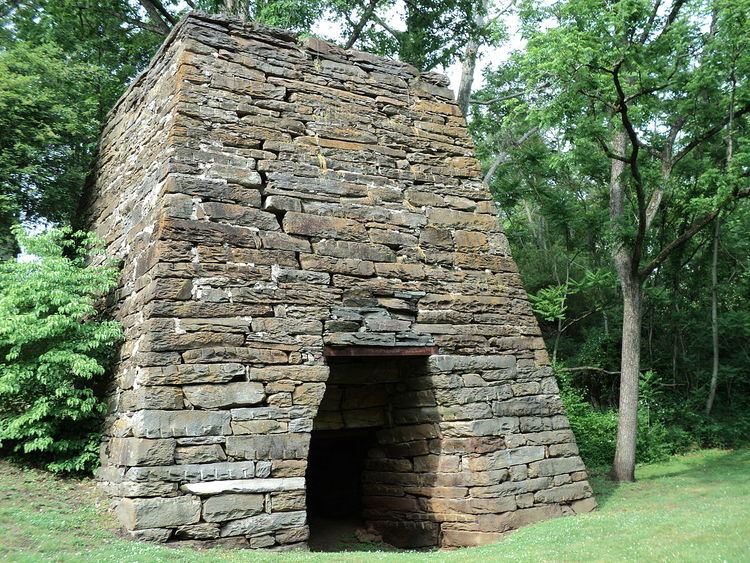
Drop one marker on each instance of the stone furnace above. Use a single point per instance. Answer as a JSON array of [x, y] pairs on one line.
[[322, 316]]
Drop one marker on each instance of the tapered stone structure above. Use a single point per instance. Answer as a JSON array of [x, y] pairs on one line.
[[322, 316]]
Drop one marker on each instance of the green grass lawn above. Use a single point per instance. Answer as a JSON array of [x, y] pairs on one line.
[[692, 508]]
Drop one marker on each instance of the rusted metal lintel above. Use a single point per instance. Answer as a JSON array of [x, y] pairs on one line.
[[378, 351]]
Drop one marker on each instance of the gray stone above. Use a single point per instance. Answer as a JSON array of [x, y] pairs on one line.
[[202, 531], [256, 525], [564, 493], [163, 424], [199, 454], [221, 508], [141, 451], [194, 472], [143, 513], [555, 466], [224, 395]]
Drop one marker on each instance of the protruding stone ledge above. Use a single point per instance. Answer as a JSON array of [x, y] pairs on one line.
[[245, 486]]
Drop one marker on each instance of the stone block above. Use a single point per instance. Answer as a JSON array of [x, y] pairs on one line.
[[355, 250], [141, 451], [275, 446], [237, 394], [207, 453], [189, 373], [246, 486], [220, 508], [191, 472], [202, 531], [288, 501], [167, 424], [556, 466], [564, 493], [319, 226], [143, 513], [158, 398], [264, 523]]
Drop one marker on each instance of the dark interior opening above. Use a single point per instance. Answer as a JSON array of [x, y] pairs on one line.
[[334, 472], [369, 426]]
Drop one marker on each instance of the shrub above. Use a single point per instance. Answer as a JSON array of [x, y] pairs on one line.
[[596, 429], [54, 350]]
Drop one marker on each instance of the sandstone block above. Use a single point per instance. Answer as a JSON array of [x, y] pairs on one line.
[[185, 374], [220, 508], [276, 446], [264, 523], [225, 394], [194, 472], [159, 398], [556, 466], [564, 493], [355, 250], [167, 424], [200, 531], [318, 226], [199, 454], [142, 513], [141, 451]]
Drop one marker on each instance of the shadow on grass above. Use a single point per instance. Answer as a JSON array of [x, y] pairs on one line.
[[725, 466]]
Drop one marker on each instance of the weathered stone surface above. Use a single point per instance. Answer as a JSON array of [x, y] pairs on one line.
[[564, 493], [224, 394], [221, 508], [201, 531], [274, 446], [199, 454], [185, 374], [159, 398], [141, 451], [555, 466], [264, 523], [191, 472], [142, 513], [324, 227], [166, 424]]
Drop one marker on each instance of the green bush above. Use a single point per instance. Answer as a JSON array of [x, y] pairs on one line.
[[596, 429], [54, 350]]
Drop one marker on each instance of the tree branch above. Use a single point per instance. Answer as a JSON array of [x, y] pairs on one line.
[[673, 14], [706, 135], [360, 25], [158, 29], [635, 171], [589, 368], [649, 23], [155, 13], [697, 225], [503, 157]]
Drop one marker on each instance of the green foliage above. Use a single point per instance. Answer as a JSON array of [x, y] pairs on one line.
[[49, 124], [544, 139], [63, 63], [54, 350], [549, 302]]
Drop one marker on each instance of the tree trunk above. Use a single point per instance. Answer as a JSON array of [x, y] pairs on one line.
[[468, 68], [623, 468], [714, 317], [469, 64]]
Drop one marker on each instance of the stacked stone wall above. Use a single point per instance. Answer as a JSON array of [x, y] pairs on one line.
[[270, 199]]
